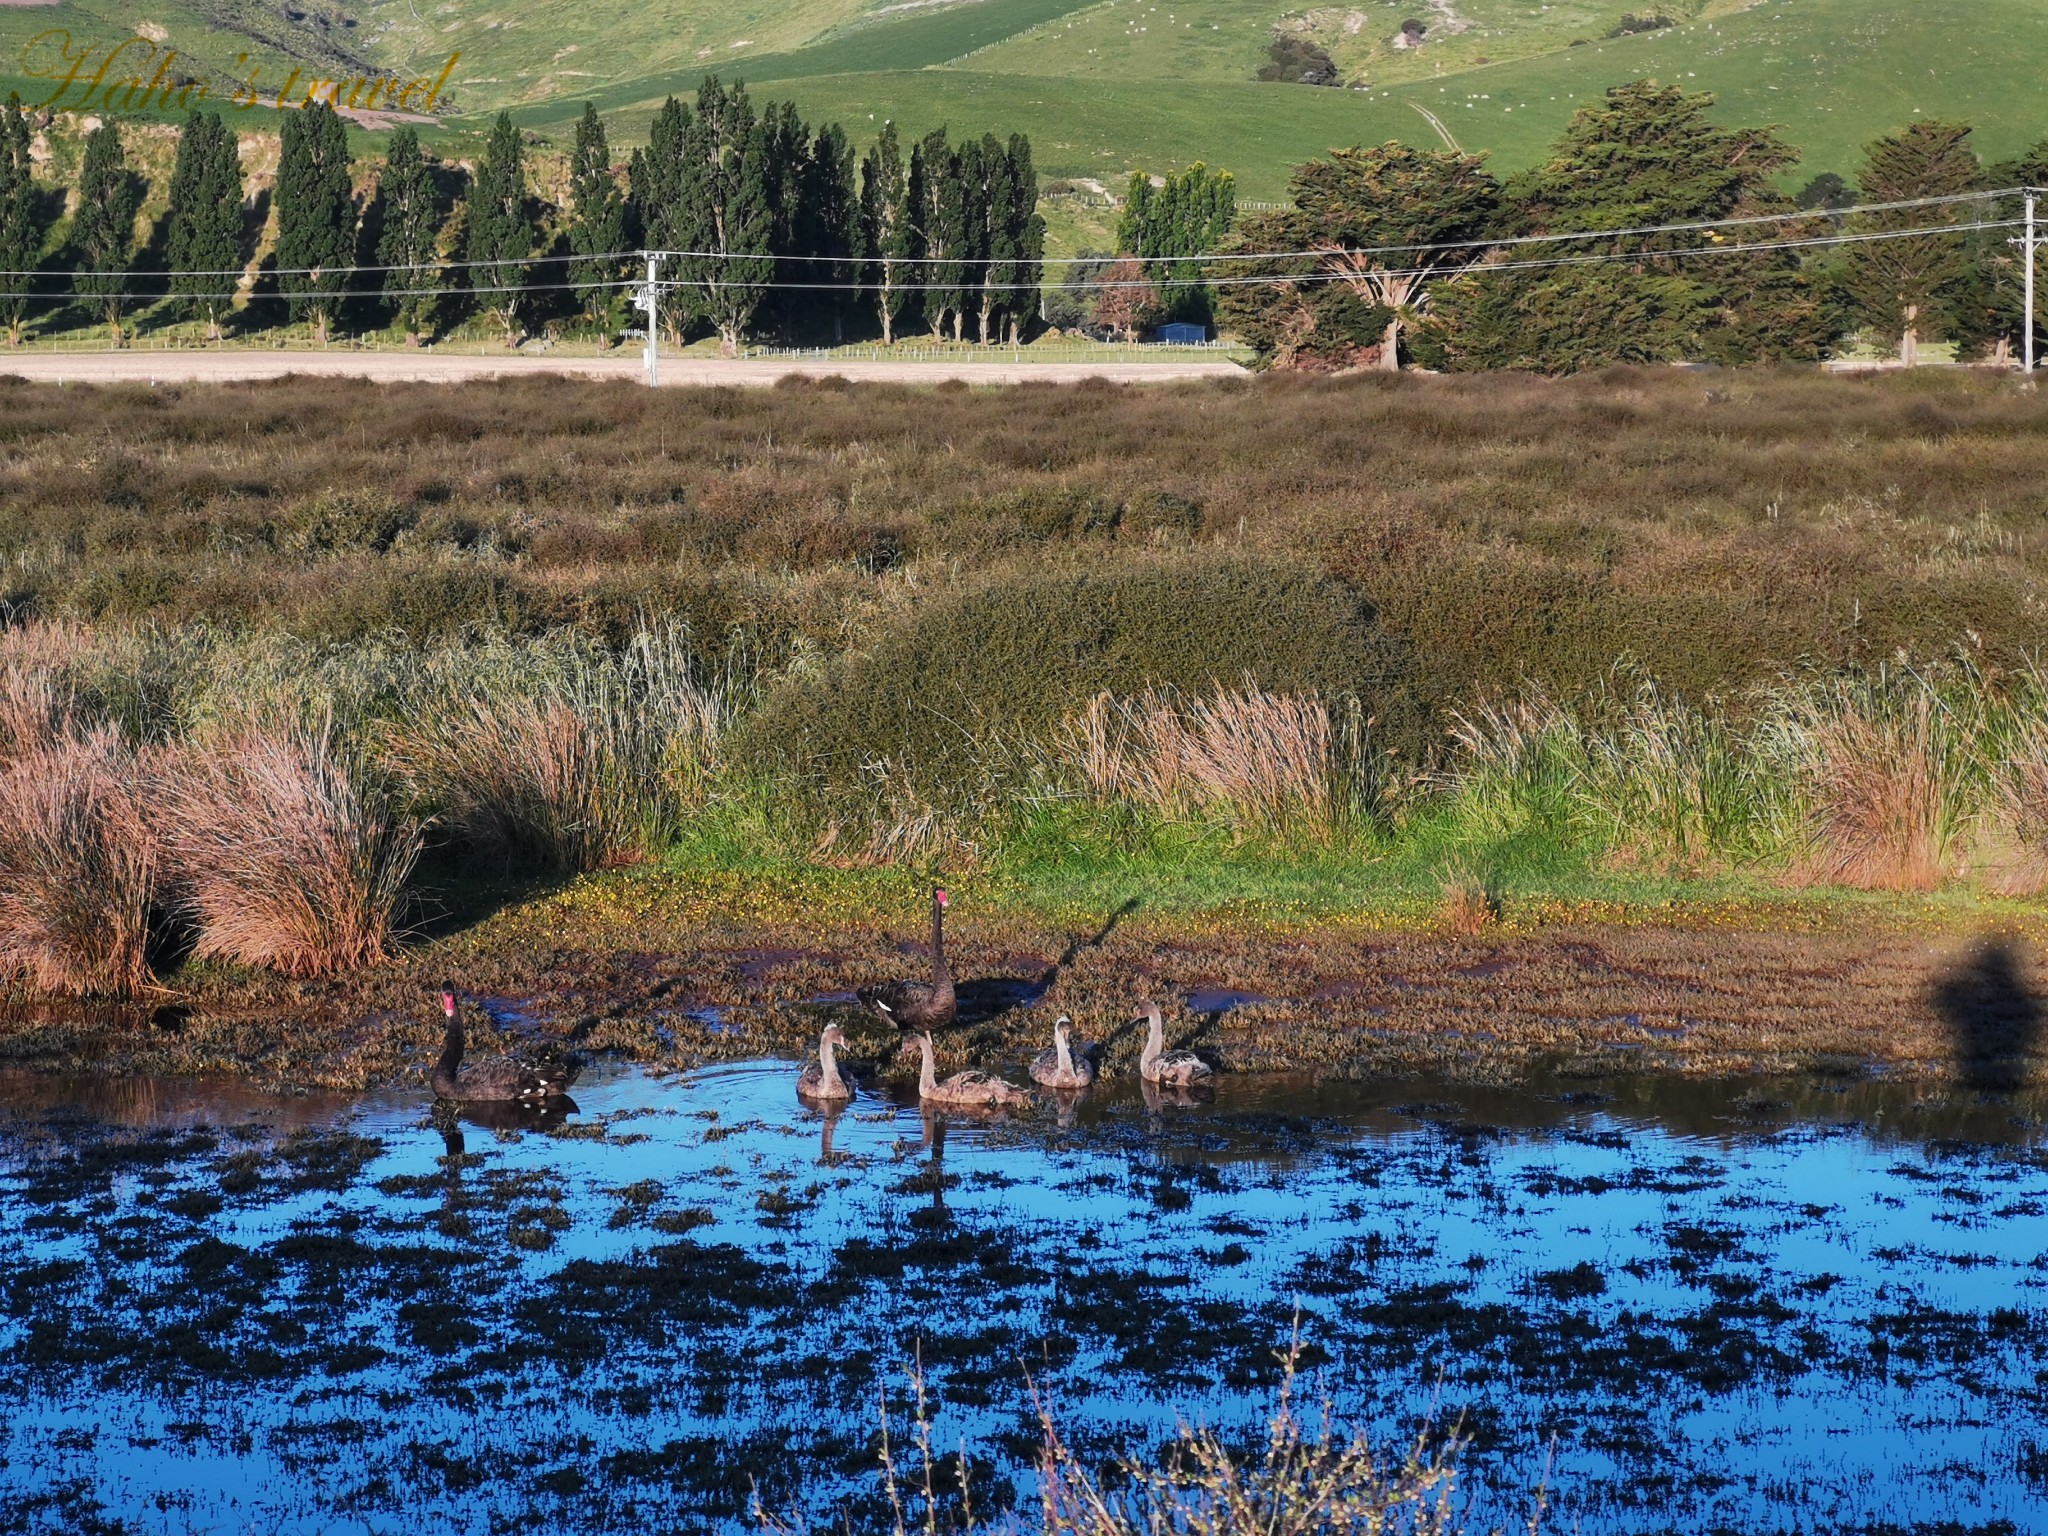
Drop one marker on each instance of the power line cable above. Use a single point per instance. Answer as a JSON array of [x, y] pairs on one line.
[[1474, 243]]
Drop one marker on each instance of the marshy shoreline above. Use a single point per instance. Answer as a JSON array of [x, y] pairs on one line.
[[664, 972]]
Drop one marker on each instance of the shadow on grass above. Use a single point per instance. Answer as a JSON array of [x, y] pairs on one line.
[[986, 998], [1993, 1015]]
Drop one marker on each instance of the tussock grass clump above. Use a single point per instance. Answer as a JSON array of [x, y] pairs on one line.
[[1468, 906], [1267, 762], [1517, 764], [2018, 791], [77, 868], [1669, 786], [561, 755], [284, 853], [1885, 768]]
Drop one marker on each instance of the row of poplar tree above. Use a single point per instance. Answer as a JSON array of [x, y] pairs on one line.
[[764, 228]]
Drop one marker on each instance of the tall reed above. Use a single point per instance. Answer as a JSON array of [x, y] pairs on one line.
[[282, 851], [561, 755], [1884, 769], [77, 867], [1517, 763], [2017, 788], [1277, 764], [1668, 785]]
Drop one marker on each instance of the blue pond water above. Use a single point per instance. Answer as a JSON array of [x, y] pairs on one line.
[[1698, 1309]]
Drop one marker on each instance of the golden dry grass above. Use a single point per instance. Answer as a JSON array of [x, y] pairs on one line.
[[282, 855], [1254, 759], [77, 868]]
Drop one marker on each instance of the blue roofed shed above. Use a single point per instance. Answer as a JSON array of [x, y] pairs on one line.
[[1181, 334]]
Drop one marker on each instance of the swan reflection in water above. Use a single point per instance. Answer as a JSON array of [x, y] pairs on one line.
[[830, 1113], [1164, 1096]]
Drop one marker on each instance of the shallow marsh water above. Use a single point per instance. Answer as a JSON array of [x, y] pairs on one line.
[[1702, 1307]]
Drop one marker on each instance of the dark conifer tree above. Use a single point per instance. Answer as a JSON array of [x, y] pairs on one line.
[[727, 215], [21, 231], [597, 226], [410, 248], [786, 145], [940, 210], [316, 214], [888, 230], [103, 230], [998, 237], [1645, 154], [831, 227], [655, 203], [204, 242], [1918, 287], [1024, 235], [498, 232]]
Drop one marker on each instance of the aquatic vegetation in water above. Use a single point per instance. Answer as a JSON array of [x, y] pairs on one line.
[[684, 1298]]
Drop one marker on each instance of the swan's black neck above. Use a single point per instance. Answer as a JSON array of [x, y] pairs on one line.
[[451, 1050]]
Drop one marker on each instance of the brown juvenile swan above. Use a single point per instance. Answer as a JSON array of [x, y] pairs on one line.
[[820, 1080], [918, 1005], [969, 1089], [534, 1078], [1062, 1066], [1177, 1069]]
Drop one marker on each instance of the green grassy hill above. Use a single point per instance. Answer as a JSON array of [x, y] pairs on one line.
[[1107, 86], [1833, 73]]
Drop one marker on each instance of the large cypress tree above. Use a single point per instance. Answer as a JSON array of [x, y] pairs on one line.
[[316, 214], [499, 233], [888, 230], [2006, 296], [1327, 309], [597, 225], [204, 242], [21, 232], [103, 230], [1645, 154], [831, 227], [1915, 287], [727, 215], [409, 249]]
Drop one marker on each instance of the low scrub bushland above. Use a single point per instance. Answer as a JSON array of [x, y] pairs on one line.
[[269, 799], [1496, 529], [1336, 625]]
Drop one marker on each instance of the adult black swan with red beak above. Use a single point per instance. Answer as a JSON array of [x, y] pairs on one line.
[[532, 1076], [915, 1006]]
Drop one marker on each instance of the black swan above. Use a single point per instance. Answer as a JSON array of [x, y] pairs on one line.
[[1177, 1069], [1063, 1066], [973, 1090], [820, 1080], [918, 1005], [531, 1077]]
